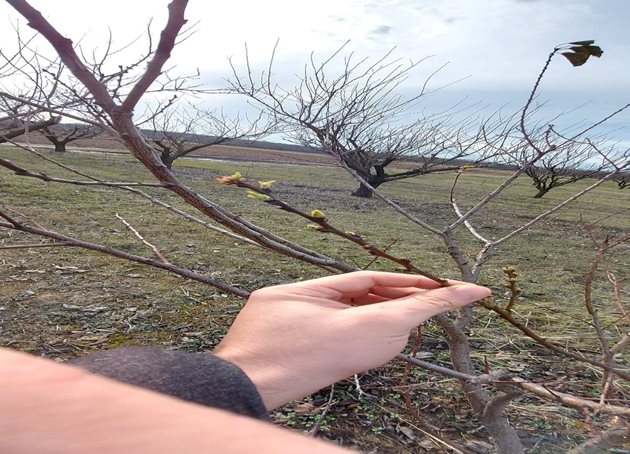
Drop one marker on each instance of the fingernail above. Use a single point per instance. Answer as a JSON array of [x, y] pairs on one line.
[[473, 292]]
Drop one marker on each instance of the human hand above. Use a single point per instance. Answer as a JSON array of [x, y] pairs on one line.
[[292, 340]]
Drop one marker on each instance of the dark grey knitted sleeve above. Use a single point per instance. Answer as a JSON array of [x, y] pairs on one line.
[[195, 377]]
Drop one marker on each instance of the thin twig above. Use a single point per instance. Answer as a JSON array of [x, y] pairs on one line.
[[607, 355], [388, 201], [491, 195], [184, 272], [357, 384], [20, 171], [549, 212], [385, 249], [512, 287], [508, 317], [569, 400], [29, 219], [617, 292], [475, 379], [155, 250], [607, 388], [190, 217], [35, 245], [467, 224], [623, 343], [323, 414]]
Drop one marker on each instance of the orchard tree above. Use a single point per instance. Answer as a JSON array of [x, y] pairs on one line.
[[18, 118], [572, 161], [357, 115], [61, 135], [178, 129]]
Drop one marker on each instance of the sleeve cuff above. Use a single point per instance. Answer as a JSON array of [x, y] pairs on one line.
[[201, 378]]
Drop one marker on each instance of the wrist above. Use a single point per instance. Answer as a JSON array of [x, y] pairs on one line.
[[274, 382], [266, 378]]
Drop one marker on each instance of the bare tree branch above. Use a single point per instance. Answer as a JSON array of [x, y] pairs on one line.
[[155, 250], [42, 176], [12, 134], [163, 52], [184, 272], [569, 400]]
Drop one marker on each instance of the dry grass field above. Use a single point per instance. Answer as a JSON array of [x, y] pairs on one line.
[[224, 152], [63, 302]]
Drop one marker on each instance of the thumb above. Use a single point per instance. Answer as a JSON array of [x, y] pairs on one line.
[[412, 310]]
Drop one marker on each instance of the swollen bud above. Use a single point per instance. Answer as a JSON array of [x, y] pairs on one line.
[[314, 227], [257, 195], [317, 214], [231, 179], [266, 184]]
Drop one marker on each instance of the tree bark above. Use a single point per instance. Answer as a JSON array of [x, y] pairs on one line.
[[503, 435], [60, 147], [364, 191], [166, 158], [541, 192]]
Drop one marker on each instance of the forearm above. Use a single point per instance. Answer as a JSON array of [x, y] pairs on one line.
[[53, 408]]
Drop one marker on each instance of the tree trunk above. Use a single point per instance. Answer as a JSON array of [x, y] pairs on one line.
[[60, 147], [503, 435], [541, 192], [364, 191], [490, 413], [167, 159]]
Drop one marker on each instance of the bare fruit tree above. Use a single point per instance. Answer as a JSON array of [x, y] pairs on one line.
[[61, 135], [108, 100], [572, 161], [178, 129], [18, 118], [357, 115]]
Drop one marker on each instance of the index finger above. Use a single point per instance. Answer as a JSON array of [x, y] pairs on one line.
[[360, 282]]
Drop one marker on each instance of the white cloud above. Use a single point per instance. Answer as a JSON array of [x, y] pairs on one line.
[[501, 44]]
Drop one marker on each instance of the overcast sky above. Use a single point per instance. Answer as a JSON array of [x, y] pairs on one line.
[[498, 46]]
